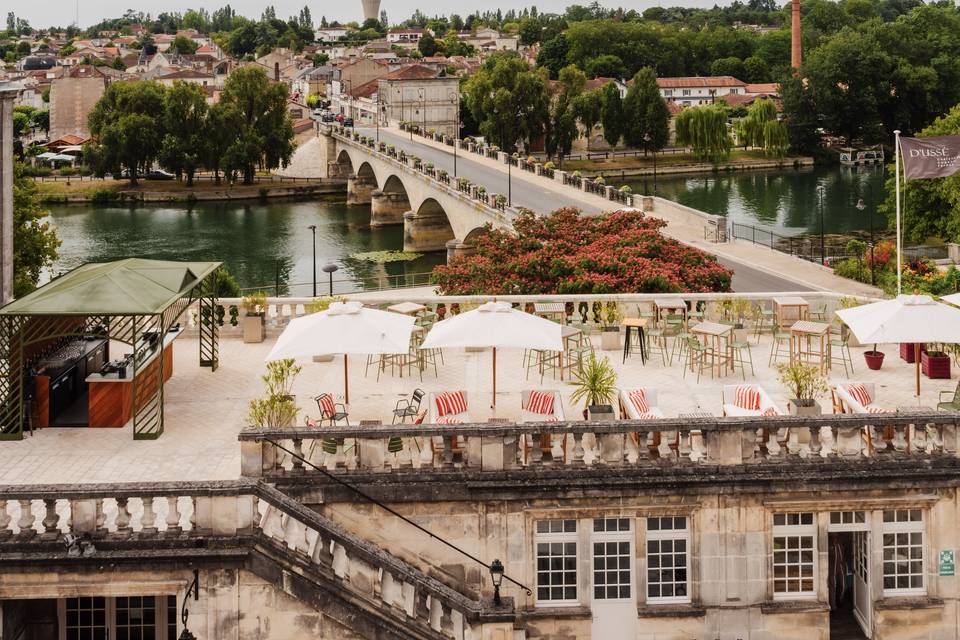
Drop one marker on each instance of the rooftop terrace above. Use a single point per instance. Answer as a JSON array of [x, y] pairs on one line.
[[206, 412]]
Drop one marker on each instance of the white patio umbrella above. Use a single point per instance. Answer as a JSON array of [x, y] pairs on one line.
[[496, 325], [905, 318], [347, 328]]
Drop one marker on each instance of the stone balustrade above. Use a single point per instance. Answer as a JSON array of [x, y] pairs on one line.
[[250, 511], [576, 446], [586, 310]]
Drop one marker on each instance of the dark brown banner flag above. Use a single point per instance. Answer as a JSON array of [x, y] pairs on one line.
[[933, 157]]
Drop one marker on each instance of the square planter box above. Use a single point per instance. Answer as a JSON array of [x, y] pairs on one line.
[[610, 338], [908, 351], [253, 328], [935, 366]]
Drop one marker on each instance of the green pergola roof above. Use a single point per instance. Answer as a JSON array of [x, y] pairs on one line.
[[126, 287]]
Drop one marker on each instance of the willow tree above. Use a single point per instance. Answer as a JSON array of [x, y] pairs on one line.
[[704, 129], [760, 128]]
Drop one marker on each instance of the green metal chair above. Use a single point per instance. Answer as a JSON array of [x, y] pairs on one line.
[[780, 347], [953, 404], [696, 357], [840, 351], [763, 319]]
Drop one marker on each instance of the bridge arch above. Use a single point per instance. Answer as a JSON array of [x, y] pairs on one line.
[[428, 228], [389, 203], [362, 184]]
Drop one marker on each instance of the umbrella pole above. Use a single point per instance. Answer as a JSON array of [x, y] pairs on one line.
[[346, 382], [494, 405], [916, 358]]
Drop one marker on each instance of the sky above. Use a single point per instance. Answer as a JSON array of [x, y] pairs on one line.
[[62, 12]]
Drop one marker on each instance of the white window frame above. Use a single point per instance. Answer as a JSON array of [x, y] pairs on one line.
[[794, 531], [685, 92], [618, 537], [904, 527], [161, 619], [849, 520], [564, 537], [667, 93], [660, 535]]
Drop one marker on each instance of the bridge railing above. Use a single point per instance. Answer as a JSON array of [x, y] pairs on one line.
[[494, 205]]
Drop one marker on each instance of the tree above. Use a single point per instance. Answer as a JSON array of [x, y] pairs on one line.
[[219, 133], [264, 131], [508, 100], [729, 66], [611, 113], [760, 128], [320, 59], [184, 116], [562, 124], [118, 64], [645, 114], [588, 110], [755, 69], [704, 129], [606, 66], [427, 45], [35, 242], [242, 41], [184, 45], [800, 115], [127, 126], [553, 55]]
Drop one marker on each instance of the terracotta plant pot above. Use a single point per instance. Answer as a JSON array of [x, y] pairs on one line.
[[874, 359]]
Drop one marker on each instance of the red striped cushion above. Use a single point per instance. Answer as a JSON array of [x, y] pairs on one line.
[[877, 410], [859, 393], [747, 397], [639, 399], [449, 420], [326, 404], [540, 402], [451, 403], [770, 411], [648, 416]]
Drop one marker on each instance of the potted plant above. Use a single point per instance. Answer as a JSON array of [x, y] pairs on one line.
[[873, 358], [935, 364], [254, 317], [610, 330], [804, 384], [278, 407], [316, 306], [596, 386]]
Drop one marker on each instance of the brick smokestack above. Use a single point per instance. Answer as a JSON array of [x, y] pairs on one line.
[[795, 35]]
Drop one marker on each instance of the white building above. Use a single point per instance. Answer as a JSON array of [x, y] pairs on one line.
[[697, 90], [330, 34]]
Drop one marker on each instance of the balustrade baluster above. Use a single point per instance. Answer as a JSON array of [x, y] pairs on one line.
[[25, 523], [148, 521], [900, 438], [448, 443], [577, 460], [173, 515], [298, 454], [4, 520], [50, 519], [100, 526], [123, 516], [536, 450]]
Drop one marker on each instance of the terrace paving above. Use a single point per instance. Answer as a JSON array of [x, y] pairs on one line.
[[205, 411]]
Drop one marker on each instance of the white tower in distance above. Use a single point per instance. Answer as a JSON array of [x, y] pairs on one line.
[[371, 9]]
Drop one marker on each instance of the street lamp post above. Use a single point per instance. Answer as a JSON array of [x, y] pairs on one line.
[[455, 97], [496, 577], [376, 117], [313, 230], [329, 269], [647, 139], [820, 191], [421, 92], [861, 206]]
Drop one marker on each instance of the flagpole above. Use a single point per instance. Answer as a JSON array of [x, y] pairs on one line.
[[896, 178]]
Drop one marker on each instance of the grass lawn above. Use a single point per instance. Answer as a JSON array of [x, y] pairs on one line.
[[664, 160]]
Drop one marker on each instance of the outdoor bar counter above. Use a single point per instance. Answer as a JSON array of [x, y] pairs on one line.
[[110, 400]]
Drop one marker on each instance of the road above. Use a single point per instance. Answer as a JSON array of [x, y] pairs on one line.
[[539, 198]]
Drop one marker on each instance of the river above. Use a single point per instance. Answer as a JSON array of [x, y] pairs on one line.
[[783, 201], [259, 242], [262, 243]]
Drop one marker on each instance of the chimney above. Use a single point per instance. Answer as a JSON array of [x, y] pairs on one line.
[[795, 35]]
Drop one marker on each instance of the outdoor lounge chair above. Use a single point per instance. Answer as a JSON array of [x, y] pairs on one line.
[[447, 407], [541, 406], [857, 397], [640, 404], [331, 411], [748, 400]]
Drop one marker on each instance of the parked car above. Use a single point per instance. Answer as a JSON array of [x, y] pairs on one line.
[[348, 122], [327, 117], [159, 174], [318, 113], [339, 117]]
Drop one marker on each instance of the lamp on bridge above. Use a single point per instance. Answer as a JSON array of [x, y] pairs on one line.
[[330, 269], [496, 577]]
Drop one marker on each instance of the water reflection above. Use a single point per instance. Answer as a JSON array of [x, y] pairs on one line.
[[263, 244], [784, 201]]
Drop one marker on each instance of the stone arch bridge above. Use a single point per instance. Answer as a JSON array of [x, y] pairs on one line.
[[436, 213]]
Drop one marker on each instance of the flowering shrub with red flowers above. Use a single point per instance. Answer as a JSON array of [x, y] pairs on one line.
[[619, 252]]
